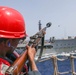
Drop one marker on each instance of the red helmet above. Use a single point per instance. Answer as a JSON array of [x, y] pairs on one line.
[[12, 24]]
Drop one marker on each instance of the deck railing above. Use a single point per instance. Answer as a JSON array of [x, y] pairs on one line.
[[55, 60]]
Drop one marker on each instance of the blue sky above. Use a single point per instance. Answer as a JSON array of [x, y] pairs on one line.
[[61, 13]]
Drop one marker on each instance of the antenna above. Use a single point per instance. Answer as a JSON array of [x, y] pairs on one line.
[[40, 25]]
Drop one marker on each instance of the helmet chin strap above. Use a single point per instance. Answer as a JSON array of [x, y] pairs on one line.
[[9, 45]]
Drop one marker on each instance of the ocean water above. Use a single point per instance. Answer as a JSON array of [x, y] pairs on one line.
[[46, 67]]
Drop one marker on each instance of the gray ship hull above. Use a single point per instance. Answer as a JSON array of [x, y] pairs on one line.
[[63, 46]]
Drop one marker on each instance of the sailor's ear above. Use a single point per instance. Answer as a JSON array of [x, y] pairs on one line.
[[8, 44]]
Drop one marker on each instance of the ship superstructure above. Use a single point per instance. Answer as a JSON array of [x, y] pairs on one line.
[[63, 45]]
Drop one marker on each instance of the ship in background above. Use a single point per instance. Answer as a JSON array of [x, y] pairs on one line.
[[63, 45]]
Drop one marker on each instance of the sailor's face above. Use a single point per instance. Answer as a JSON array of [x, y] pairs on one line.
[[13, 45]]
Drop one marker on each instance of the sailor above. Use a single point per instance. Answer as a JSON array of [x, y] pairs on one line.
[[12, 30]]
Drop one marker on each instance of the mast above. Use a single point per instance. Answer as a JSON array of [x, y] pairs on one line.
[[42, 41], [40, 25]]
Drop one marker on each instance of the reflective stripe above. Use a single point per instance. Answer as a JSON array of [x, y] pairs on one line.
[[4, 64]]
